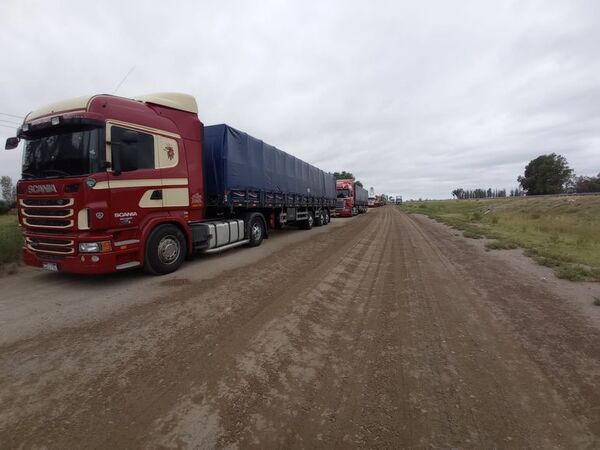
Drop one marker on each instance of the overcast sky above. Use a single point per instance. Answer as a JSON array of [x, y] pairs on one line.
[[414, 98]]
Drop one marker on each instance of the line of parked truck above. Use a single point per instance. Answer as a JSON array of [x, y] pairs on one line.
[[111, 183]]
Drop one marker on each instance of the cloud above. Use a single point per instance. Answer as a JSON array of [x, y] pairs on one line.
[[414, 99]]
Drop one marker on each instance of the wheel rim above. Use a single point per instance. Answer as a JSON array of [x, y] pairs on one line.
[[310, 220], [169, 249], [256, 232], [326, 216]]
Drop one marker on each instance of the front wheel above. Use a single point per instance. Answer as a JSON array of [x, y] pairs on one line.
[[165, 250]]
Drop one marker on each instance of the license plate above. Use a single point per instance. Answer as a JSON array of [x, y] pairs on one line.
[[51, 266]]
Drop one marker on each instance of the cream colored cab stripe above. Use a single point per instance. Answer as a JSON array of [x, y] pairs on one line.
[[171, 197], [155, 182]]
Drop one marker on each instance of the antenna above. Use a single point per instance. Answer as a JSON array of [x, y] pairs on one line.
[[123, 80]]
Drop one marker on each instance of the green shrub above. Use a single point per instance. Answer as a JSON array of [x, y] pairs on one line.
[[501, 245]]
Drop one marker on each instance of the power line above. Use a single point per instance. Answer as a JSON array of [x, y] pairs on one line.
[[11, 122], [6, 126], [11, 115]]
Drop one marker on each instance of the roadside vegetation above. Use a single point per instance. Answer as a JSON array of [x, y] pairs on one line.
[[10, 233], [558, 232], [10, 239]]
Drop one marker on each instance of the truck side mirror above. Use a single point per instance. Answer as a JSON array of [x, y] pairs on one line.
[[11, 143]]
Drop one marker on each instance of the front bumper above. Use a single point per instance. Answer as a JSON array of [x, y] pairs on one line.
[[343, 212], [121, 257]]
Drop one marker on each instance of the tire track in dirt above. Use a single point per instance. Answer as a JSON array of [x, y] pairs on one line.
[[487, 389], [118, 393], [388, 332], [552, 334]]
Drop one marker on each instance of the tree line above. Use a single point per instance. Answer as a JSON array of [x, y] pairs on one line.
[[9, 194], [544, 175], [343, 175]]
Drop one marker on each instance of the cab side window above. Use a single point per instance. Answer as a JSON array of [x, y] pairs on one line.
[[136, 148]]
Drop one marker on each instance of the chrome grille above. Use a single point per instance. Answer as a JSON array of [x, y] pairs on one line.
[[51, 246], [38, 212], [47, 202], [48, 214], [45, 223]]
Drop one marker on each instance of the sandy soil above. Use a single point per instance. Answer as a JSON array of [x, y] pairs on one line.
[[383, 331]]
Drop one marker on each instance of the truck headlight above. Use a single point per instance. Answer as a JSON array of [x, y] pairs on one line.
[[95, 247]]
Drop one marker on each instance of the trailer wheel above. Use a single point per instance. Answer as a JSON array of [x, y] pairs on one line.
[[319, 218], [165, 250], [308, 223], [256, 230], [326, 216]]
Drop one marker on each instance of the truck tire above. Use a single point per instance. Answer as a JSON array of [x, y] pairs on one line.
[[308, 223], [256, 230], [319, 218], [326, 216], [165, 250]]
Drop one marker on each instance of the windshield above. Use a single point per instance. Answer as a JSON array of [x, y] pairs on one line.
[[68, 153], [343, 193]]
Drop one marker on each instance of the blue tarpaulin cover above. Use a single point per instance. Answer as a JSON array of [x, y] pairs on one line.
[[235, 161], [362, 195]]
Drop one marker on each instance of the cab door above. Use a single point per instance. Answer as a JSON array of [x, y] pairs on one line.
[[135, 190]]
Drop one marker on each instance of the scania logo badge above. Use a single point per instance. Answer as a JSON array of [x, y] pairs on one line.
[[41, 189], [99, 215]]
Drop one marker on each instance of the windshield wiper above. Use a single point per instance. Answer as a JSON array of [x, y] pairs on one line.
[[28, 175], [56, 171]]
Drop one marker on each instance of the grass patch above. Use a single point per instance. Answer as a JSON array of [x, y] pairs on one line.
[[11, 240], [501, 245], [577, 273], [472, 234], [558, 232]]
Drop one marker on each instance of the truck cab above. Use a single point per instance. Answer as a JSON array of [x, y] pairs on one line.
[[99, 172], [345, 206]]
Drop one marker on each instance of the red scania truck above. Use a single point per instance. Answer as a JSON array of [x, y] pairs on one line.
[[351, 198], [112, 183]]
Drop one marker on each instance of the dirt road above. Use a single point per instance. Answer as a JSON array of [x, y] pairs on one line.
[[388, 331]]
